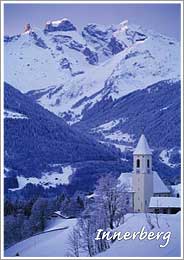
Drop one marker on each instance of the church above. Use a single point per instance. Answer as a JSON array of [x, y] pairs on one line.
[[147, 191]]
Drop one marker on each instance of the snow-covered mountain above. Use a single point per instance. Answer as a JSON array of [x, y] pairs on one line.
[[40, 148], [111, 81], [68, 71]]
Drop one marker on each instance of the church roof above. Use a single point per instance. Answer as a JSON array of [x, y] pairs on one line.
[[142, 147], [165, 202], [126, 179], [158, 185]]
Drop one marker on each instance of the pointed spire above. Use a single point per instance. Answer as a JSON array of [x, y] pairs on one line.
[[142, 147]]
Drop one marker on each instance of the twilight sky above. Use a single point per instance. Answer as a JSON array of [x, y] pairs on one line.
[[163, 18]]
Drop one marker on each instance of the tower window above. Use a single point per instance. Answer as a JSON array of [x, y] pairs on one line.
[[138, 163], [148, 163], [127, 201]]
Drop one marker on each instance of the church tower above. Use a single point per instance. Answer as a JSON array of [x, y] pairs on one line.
[[142, 175]]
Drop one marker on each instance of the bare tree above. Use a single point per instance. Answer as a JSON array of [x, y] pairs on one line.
[[149, 221], [74, 243], [87, 229], [157, 217], [111, 197], [105, 212]]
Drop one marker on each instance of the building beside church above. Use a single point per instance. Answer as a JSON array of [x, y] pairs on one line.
[[148, 191]]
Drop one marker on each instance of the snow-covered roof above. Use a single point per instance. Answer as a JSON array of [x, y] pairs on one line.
[[142, 146], [126, 179], [165, 202], [158, 185], [58, 213], [91, 196]]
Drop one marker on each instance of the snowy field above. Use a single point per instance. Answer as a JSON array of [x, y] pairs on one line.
[[47, 244], [55, 243], [49, 179], [145, 248], [119, 136]]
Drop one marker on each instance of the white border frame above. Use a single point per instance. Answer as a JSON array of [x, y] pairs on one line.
[[2, 117]]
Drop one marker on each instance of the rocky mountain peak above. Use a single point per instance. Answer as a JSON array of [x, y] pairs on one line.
[[59, 25], [27, 28]]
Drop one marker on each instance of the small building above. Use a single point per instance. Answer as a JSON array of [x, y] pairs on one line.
[[165, 205], [58, 214]]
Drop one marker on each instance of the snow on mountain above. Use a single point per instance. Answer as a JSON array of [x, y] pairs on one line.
[[13, 115], [92, 79], [126, 72], [40, 58], [105, 127], [165, 157], [78, 69], [36, 148], [119, 136], [55, 243], [48, 179]]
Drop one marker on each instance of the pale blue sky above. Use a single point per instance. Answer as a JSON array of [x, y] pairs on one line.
[[163, 18]]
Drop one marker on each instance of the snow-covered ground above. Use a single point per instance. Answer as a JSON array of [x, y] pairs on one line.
[[165, 158], [123, 147], [57, 222], [55, 243], [50, 179], [111, 136], [14, 115], [119, 136], [107, 126], [147, 248]]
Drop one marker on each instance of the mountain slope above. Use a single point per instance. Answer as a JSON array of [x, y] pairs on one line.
[[77, 69], [58, 55], [154, 111], [113, 82], [147, 110], [36, 138]]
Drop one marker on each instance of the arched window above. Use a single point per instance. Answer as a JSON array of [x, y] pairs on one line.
[[138, 163], [148, 163]]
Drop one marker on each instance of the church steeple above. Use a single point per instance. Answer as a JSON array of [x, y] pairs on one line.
[[142, 157], [142, 175], [142, 147]]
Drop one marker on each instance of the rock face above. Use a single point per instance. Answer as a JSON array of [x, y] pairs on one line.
[[91, 56], [97, 63], [60, 25], [99, 77], [115, 46], [27, 28]]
